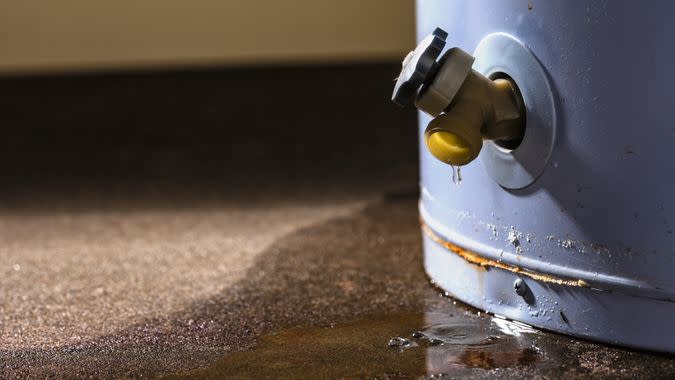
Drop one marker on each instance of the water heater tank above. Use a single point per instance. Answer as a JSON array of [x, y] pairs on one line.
[[569, 225]]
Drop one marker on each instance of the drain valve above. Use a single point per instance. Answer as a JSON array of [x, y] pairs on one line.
[[467, 107]]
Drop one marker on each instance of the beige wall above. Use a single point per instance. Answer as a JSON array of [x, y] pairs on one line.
[[91, 34]]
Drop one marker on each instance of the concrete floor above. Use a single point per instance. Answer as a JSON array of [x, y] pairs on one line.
[[157, 224]]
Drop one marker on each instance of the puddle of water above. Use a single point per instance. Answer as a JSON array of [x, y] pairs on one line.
[[401, 345]]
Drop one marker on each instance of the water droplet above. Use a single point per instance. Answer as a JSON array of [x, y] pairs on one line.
[[512, 237], [456, 174], [492, 228], [435, 342], [399, 342]]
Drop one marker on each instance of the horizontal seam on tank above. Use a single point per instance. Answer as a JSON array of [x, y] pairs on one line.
[[479, 260]]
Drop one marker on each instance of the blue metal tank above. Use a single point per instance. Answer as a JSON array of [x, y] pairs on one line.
[[573, 230]]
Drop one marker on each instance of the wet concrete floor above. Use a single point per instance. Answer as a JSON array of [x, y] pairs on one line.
[[167, 243], [331, 301], [433, 344], [428, 335]]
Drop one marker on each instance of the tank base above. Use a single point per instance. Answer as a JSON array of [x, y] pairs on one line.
[[584, 312]]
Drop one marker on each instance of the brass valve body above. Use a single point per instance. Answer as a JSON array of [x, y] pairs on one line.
[[482, 109]]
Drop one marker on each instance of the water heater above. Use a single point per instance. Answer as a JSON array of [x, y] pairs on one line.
[[547, 148]]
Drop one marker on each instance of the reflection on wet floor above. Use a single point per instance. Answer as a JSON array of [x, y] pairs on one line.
[[397, 345], [449, 343]]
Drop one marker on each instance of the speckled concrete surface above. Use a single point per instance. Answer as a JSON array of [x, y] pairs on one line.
[[358, 266], [69, 277], [80, 282], [156, 224]]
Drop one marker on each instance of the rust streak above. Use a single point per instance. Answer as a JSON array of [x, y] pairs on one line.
[[476, 259]]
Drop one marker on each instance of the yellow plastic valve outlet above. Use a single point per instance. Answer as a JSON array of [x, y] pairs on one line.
[[481, 109], [453, 138]]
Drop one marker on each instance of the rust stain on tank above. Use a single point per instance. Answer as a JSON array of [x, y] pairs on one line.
[[486, 263]]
